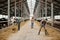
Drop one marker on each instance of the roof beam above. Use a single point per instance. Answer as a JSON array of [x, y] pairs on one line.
[[3, 2]]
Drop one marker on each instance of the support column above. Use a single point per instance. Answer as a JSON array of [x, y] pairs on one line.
[[52, 17], [40, 7], [41, 12], [19, 20], [21, 8], [15, 8], [45, 8], [8, 12]]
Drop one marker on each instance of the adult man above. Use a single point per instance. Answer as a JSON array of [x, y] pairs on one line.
[[32, 22], [43, 24]]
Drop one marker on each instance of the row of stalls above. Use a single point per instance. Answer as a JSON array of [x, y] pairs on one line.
[[13, 10], [48, 8]]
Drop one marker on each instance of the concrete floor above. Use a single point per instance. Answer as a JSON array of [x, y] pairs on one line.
[[26, 33]]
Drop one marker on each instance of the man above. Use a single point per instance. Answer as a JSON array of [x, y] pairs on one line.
[[43, 24], [32, 22]]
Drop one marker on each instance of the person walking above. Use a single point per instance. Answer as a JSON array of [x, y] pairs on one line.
[[32, 22], [18, 24], [43, 24]]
